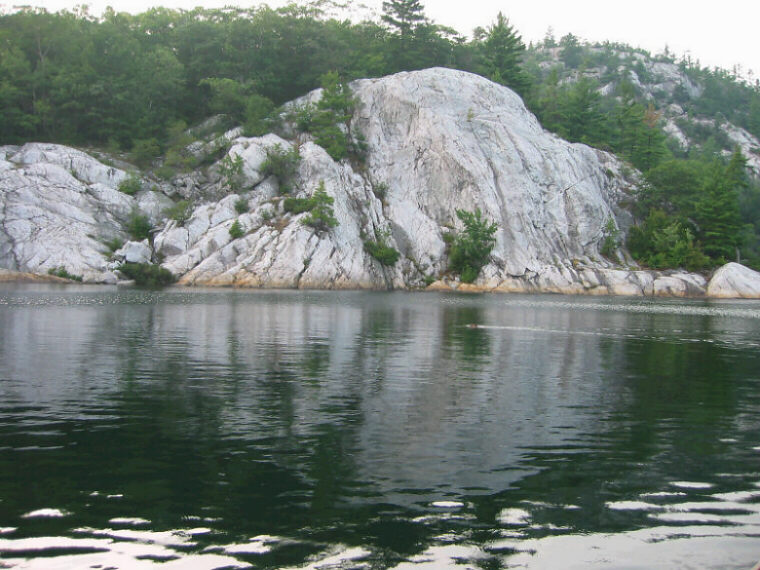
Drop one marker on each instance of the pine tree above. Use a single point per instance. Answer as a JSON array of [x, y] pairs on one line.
[[502, 55], [410, 30], [717, 213], [403, 15]]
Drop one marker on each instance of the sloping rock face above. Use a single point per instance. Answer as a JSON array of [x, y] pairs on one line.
[[58, 207], [438, 140], [734, 281]]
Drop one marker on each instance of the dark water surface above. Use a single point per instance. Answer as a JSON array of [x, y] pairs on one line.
[[209, 429]]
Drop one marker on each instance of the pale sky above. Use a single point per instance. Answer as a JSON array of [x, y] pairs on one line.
[[715, 33]]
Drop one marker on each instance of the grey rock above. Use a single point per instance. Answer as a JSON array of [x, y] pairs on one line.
[[438, 140], [57, 208], [134, 252], [734, 280]]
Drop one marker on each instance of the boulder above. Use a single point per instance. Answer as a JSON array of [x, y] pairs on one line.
[[734, 280], [134, 252]]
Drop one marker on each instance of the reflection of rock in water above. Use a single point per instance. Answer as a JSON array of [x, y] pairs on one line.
[[523, 416]]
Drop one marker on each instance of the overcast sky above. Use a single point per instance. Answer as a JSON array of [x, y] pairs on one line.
[[716, 33]]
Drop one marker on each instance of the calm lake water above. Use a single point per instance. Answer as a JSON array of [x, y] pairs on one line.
[[213, 429]]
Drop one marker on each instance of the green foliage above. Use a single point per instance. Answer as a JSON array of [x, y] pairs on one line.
[[662, 242], [471, 248], [380, 250], [572, 52], [241, 205], [611, 241], [178, 160], [357, 147], [502, 51], [228, 96], [180, 212], [330, 137], [282, 164], [403, 15], [673, 187], [236, 230], [145, 152], [138, 225], [267, 214], [380, 190], [130, 185], [297, 205], [699, 202], [717, 212], [231, 169], [258, 115], [147, 275], [321, 216], [61, 272], [303, 116], [113, 244], [329, 120]]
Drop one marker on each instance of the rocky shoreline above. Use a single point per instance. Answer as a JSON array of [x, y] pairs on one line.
[[437, 141], [732, 281]]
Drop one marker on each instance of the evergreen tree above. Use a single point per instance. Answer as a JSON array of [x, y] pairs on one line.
[[717, 213], [572, 51], [502, 56], [584, 117], [330, 122], [410, 32], [403, 15]]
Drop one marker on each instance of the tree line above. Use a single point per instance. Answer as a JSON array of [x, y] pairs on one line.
[[695, 207], [119, 78]]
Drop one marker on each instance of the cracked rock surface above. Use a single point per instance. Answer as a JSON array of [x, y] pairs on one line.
[[438, 140]]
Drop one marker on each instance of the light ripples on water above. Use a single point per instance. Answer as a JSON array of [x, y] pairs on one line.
[[206, 429]]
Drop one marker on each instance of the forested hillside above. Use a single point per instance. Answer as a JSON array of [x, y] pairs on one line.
[[134, 83], [693, 133]]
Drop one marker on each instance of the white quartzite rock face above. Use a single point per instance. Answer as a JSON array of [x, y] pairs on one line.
[[438, 140], [443, 140], [734, 280], [57, 207]]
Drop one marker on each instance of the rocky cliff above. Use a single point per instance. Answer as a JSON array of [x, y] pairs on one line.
[[438, 140]]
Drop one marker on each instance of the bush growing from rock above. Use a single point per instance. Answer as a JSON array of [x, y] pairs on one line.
[[130, 185], [138, 225], [282, 164], [61, 272], [471, 248], [380, 250], [380, 190], [179, 212], [297, 205], [236, 230], [231, 169], [145, 151], [611, 240], [241, 205], [321, 216], [113, 244], [147, 275]]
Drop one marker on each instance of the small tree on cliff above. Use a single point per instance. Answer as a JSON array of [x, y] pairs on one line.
[[471, 248]]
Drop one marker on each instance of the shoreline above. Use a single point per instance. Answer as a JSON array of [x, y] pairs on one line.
[[440, 286]]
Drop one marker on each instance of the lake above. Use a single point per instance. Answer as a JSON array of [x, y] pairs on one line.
[[290, 429]]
